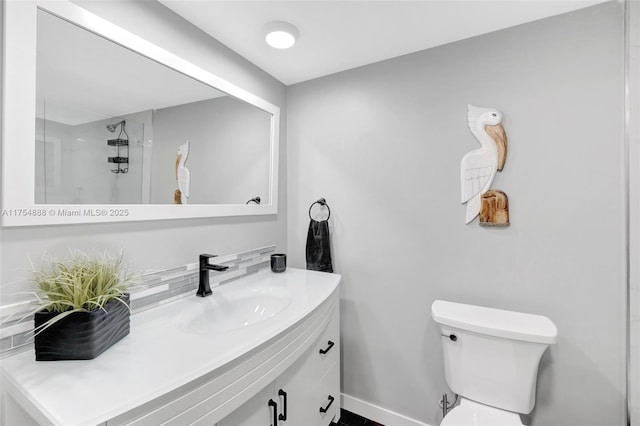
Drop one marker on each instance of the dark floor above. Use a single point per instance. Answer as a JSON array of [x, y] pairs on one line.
[[347, 418]]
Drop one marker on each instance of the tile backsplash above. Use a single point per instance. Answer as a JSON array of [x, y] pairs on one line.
[[156, 287]]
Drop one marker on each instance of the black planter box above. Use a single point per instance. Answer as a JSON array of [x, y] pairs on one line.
[[81, 335]]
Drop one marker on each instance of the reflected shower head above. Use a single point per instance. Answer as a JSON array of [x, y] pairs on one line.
[[112, 127]]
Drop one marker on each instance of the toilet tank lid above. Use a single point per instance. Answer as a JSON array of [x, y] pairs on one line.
[[495, 322]]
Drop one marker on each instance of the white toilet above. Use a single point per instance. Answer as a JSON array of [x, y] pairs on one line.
[[491, 359]]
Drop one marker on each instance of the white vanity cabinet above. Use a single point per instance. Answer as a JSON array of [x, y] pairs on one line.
[[170, 372], [307, 393]]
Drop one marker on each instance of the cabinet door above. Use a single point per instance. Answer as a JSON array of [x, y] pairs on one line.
[[256, 411], [298, 384]]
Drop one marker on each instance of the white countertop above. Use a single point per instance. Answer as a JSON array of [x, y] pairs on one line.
[[159, 355]]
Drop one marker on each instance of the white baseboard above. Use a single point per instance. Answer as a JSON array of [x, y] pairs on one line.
[[376, 413]]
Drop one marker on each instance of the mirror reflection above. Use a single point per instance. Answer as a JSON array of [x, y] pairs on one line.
[[114, 127]]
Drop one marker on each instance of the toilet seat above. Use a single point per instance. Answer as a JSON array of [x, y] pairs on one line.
[[470, 413]]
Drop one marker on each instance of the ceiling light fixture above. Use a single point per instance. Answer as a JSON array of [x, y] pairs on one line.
[[280, 35]]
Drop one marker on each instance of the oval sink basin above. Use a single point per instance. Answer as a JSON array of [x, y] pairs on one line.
[[232, 310]]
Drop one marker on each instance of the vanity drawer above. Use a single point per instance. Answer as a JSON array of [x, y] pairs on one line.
[[311, 399], [311, 367], [327, 397], [326, 351], [318, 359]]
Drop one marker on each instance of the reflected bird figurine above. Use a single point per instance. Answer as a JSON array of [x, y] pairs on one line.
[[183, 175], [478, 168]]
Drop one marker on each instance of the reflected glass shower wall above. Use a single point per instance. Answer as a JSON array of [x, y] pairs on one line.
[[72, 164]]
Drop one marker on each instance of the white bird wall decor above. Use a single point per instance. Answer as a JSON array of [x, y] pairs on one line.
[[183, 175], [478, 168]]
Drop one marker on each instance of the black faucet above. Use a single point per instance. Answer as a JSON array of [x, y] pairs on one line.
[[203, 286]]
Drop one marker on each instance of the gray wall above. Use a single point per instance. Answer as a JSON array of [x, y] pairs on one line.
[[383, 144], [160, 244], [229, 147], [633, 19]]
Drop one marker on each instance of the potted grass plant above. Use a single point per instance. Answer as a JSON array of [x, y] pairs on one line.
[[85, 305]]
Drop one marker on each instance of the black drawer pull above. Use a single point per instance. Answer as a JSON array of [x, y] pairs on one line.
[[274, 404], [324, 409], [329, 346], [283, 416]]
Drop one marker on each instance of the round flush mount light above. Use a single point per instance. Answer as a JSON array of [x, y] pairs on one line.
[[280, 35]]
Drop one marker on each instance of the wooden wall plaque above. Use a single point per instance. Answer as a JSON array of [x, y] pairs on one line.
[[494, 209]]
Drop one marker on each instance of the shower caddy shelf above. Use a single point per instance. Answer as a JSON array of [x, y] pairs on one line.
[[122, 158]]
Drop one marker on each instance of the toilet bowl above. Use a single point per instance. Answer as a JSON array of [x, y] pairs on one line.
[[470, 413], [491, 359]]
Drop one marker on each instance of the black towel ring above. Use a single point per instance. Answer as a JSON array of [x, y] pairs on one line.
[[322, 202]]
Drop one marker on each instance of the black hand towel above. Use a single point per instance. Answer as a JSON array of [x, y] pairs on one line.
[[318, 252]]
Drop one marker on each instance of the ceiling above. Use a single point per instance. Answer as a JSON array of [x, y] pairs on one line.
[[336, 35]]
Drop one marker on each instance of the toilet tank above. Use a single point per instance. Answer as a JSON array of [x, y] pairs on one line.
[[491, 356]]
